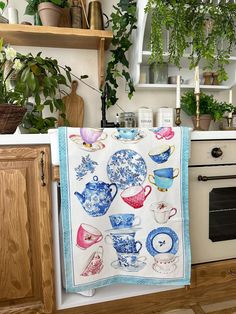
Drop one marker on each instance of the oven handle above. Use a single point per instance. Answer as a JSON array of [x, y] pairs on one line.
[[205, 178]]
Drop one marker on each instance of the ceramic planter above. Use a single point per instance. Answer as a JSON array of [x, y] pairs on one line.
[[49, 13], [205, 121]]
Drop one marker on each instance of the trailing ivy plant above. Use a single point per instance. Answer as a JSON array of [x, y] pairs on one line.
[[32, 6], [209, 30], [123, 20], [3, 5]]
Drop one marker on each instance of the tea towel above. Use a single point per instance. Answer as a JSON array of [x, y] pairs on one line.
[[124, 206]]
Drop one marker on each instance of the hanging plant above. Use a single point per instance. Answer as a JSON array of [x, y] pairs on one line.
[[123, 20], [208, 29]]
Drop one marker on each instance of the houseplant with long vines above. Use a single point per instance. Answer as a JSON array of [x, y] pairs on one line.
[[209, 30]]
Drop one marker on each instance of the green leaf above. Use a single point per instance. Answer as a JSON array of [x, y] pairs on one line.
[[31, 81]]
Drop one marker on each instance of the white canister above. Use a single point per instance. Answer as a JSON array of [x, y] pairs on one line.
[[165, 117], [145, 117], [13, 16]]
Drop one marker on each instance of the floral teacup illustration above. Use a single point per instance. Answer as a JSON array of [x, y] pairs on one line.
[[165, 262], [120, 221], [162, 153], [124, 242], [162, 212], [94, 264], [130, 259], [135, 196], [88, 235]]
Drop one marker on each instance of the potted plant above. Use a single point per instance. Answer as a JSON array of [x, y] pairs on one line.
[[209, 30], [3, 5], [209, 108], [36, 79], [50, 11]]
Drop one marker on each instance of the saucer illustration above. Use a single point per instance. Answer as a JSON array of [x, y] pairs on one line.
[[131, 268], [162, 240], [136, 139], [87, 147], [160, 270]]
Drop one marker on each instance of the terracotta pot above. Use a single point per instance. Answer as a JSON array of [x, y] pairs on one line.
[[205, 121], [49, 13]]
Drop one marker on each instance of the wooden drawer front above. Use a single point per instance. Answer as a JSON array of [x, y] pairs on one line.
[[213, 273]]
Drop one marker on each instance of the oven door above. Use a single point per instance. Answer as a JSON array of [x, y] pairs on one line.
[[212, 204]]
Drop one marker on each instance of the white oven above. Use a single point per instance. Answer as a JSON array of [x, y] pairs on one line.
[[212, 201]]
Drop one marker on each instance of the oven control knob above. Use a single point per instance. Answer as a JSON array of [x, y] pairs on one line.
[[216, 152]]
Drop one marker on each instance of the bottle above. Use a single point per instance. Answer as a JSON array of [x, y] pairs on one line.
[[145, 117], [76, 14]]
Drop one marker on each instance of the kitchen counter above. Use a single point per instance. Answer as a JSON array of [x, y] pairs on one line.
[[51, 138]]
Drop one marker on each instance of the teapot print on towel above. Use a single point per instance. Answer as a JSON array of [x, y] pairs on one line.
[[97, 197]]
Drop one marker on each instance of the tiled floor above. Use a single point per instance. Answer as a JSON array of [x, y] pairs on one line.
[[227, 307]]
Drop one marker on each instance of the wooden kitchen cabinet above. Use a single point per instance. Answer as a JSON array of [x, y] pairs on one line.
[[26, 271]]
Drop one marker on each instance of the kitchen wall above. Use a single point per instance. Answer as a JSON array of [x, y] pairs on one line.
[[85, 62]]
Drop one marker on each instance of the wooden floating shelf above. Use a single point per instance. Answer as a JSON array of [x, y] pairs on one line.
[[57, 37]]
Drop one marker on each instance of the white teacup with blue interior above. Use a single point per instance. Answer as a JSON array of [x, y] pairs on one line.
[[120, 221], [163, 178], [127, 133], [162, 153]]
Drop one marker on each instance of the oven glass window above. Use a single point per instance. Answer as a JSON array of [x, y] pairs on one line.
[[222, 214]]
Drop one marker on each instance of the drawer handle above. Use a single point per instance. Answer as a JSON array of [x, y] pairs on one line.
[[231, 272], [42, 169]]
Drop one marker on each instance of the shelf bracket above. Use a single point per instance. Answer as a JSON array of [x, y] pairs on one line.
[[101, 62]]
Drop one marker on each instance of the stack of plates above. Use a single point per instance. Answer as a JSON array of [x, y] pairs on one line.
[[3, 20]]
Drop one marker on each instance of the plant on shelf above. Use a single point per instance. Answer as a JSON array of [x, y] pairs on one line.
[[209, 30], [208, 106], [24, 80], [3, 5], [123, 20], [41, 7]]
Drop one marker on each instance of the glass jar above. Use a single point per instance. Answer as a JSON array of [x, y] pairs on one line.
[[158, 73], [127, 120]]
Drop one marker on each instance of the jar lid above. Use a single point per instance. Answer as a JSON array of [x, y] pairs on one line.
[[144, 109], [127, 114]]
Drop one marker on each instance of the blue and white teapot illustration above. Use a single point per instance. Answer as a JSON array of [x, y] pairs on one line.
[[97, 197]]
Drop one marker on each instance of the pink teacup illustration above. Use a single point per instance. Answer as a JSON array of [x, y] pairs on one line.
[[94, 264], [135, 196], [164, 133], [87, 235], [90, 135]]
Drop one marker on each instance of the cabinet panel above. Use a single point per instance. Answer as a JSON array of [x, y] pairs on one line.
[[26, 272], [15, 282]]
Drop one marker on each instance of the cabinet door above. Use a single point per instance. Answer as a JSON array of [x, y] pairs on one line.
[[26, 272]]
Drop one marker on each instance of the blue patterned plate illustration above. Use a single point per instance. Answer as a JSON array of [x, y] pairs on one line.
[[131, 268], [162, 240], [126, 168]]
